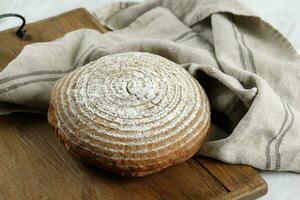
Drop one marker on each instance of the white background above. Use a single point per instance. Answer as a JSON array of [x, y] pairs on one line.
[[282, 14]]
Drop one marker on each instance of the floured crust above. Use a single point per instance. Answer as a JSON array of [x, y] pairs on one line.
[[126, 144]]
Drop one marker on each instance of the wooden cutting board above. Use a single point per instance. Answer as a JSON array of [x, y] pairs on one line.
[[34, 165]]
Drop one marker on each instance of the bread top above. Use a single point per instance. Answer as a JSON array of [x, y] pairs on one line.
[[129, 109]]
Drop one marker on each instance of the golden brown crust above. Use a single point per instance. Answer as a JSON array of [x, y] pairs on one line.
[[182, 156], [142, 163]]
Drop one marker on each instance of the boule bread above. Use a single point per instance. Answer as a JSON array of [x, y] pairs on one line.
[[131, 113]]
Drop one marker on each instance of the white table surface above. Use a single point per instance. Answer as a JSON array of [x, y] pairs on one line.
[[282, 14]]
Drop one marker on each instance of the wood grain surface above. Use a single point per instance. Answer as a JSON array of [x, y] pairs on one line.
[[34, 165]]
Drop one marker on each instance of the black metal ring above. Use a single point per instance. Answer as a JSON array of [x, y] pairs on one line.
[[21, 32]]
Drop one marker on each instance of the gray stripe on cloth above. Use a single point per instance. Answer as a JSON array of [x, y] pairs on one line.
[[188, 37], [25, 75], [250, 54], [240, 49], [42, 72], [21, 84], [183, 35], [268, 147], [277, 145], [45, 72]]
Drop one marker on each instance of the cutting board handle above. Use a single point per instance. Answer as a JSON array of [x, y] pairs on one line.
[[21, 31]]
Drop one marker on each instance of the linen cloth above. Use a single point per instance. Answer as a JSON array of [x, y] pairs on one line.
[[249, 71]]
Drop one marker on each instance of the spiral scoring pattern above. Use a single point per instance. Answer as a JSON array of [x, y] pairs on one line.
[[131, 111]]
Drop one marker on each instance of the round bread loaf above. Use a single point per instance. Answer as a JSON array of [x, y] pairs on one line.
[[130, 113]]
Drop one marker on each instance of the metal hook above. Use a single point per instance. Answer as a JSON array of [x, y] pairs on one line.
[[21, 32]]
